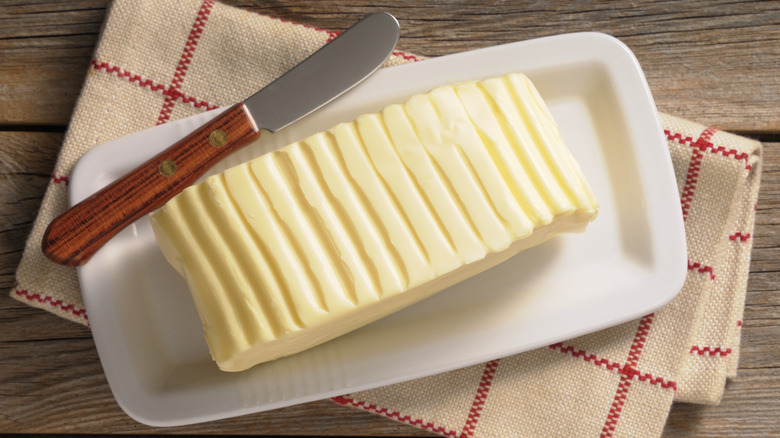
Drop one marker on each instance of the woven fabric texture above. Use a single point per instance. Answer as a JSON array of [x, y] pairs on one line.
[[147, 70]]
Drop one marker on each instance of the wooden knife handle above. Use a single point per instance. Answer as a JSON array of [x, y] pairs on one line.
[[72, 238]]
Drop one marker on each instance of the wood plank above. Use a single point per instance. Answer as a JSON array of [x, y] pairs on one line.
[[695, 53], [26, 162], [712, 62], [45, 48], [742, 412]]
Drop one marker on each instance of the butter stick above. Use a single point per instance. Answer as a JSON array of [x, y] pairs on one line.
[[323, 236]]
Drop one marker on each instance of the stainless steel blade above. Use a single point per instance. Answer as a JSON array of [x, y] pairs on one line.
[[326, 74]]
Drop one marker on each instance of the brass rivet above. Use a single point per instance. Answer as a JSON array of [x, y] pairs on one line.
[[218, 138], [168, 168]]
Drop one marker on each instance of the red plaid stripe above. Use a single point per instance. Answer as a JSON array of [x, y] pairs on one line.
[[480, 398], [30, 296], [477, 405], [628, 372], [167, 90], [742, 237], [623, 369], [427, 425], [702, 268], [174, 90], [694, 167], [705, 144], [60, 179], [692, 177], [710, 351]]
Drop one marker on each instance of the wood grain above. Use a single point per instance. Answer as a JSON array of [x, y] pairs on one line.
[[75, 236], [712, 62]]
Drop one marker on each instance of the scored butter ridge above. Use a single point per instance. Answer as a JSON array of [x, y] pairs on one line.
[[325, 235]]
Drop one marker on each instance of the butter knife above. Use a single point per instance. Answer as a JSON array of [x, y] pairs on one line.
[[73, 237]]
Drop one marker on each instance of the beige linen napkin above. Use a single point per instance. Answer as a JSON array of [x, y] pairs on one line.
[[162, 60]]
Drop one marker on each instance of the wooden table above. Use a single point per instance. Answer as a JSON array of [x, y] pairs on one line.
[[717, 63]]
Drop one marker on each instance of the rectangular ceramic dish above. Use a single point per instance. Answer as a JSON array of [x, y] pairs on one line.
[[630, 261]]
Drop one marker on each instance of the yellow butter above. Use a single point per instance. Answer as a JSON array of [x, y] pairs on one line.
[[325, 235]]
